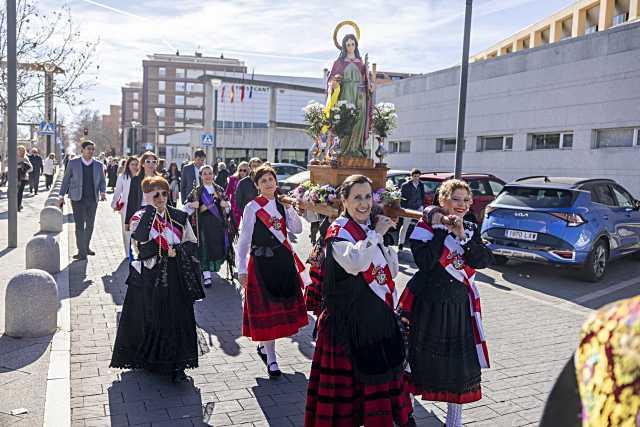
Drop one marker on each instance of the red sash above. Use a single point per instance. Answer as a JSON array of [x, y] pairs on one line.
[[278, 227], [452, 260], [375, 276]]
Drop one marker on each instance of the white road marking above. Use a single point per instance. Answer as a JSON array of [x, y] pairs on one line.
[[608, 290]]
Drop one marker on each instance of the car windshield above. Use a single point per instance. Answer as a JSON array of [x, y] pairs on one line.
[[535, 197]]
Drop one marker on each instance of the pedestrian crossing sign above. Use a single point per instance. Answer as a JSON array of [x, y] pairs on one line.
[[47, 128], [206, 139]]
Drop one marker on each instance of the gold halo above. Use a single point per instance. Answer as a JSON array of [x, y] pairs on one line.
[[342, 24]]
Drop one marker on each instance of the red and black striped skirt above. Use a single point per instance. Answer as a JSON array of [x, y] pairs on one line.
[[335, 398], [313, 291], [264, 319]]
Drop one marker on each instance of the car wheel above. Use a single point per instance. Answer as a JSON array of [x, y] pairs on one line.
[[595, 267], [500, 260]]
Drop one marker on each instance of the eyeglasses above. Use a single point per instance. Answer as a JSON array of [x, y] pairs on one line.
[[150, 162], [244, 170], [160, 193]]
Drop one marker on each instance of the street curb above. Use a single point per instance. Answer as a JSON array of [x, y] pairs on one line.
[[57, 407]]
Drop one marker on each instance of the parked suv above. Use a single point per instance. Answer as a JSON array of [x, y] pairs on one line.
[[485, 188], [564, 221]]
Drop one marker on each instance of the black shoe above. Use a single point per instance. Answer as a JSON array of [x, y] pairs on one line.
[[19, 208], [276, 372], [178, 376], [400, 247], [79, 257], [90, 252], [261, 354]]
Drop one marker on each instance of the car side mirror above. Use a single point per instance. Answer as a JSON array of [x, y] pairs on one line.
[[636, 205]]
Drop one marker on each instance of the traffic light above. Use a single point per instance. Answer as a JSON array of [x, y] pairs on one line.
[[85, 131]]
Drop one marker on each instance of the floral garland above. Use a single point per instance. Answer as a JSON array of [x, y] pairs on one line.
[[308, 192], [388, 196]]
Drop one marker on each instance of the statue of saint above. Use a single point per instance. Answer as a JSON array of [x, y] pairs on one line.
[[351, 73]]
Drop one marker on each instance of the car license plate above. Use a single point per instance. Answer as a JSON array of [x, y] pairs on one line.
[[521, 235]]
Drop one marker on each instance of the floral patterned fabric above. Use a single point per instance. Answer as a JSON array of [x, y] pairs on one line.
[[607, 365]]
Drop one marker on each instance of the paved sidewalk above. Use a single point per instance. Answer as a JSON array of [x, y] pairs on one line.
[[24, 363], [529, 341]]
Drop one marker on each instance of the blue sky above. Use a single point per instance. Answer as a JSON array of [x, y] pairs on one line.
[[289, 37]]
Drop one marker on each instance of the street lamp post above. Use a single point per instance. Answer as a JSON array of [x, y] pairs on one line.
[[12, 120], [215, 83], [462, 100]]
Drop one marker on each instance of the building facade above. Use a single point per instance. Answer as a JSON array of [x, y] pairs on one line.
[[570, 108], [131, 107], [581, 18], [172, 95], [111, 130]]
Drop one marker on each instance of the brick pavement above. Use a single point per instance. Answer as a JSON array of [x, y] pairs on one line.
[[23, 362], [529, 341]]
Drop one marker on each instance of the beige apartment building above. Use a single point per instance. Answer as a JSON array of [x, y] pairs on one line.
[[581, 18], [131, 107], [173, 96]]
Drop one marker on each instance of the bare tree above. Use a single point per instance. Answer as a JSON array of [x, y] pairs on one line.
[[105, 137], [47, 42]]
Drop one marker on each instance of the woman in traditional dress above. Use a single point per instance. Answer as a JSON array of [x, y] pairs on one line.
[[148, 164], [208, 202], [350, 72], [269, 270], [441, 305], [356, 373], [157, 329], [232, 185], [121, 198]]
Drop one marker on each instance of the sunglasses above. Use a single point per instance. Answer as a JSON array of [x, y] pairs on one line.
[[160, 193], [244, 170], [151, 162]]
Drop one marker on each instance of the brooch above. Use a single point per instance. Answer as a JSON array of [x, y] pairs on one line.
[[458, 263], [275, 223], [381, 276]]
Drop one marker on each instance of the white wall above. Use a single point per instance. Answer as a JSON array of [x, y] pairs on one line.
[[575, 85]]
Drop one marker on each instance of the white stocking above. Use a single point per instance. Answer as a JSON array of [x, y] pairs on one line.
[[270, 350], [454, 415]]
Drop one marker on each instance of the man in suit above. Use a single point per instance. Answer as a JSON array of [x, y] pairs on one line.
[[246, 190], [412, 198], [84, 183], [191, 174]]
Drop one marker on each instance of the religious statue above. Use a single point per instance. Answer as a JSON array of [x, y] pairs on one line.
[[349, 79]]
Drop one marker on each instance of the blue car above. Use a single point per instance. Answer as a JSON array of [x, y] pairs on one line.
[[563, 221]]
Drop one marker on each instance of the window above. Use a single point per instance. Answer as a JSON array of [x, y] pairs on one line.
[[160, 112], [161, 123], [195, 87], [496, 187], [179, 114], [612, 138], [592, 29], [162, 71], [297, 157], [136, 95], [180, 86], [551, 141], [601, 193], [179, 100], [495, 143], [399, 146], [536, 197], [194, 115], [136, 106], [479, 188], [194, 74], [179, 124], [261, 153], [161, 99], [446, 145], [162, 85], [619, 19], [180, 73], [196, 101], [135, 115], [623, 198], [430, 187]]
